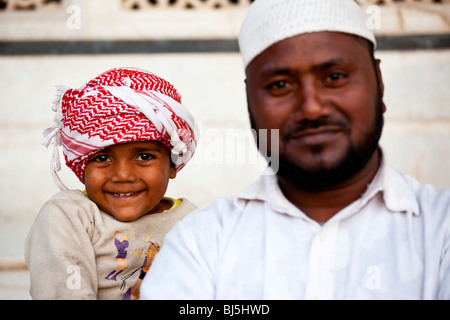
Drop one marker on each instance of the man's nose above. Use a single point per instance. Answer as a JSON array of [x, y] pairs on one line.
[[311, 105]]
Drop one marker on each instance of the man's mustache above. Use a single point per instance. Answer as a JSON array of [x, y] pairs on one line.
[[307, 124]]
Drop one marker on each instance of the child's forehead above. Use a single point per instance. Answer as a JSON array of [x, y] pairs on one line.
[[150, 145]]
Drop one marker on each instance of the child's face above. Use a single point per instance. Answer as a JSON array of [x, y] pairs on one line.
[[129, 180]]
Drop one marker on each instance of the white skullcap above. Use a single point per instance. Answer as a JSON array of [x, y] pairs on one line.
[[270, 21]]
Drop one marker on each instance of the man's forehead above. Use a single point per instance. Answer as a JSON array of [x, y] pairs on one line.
[[317, 50]]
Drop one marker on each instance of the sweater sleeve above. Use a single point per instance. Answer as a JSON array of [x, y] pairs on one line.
[[59, 252]]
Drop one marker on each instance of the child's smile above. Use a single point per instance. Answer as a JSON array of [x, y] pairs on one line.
[[125, 195], [129, 180]]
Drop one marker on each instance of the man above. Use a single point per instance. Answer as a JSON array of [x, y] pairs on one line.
[[336, 221]]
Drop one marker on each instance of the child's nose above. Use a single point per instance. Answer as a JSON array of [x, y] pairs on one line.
[[123, 172]]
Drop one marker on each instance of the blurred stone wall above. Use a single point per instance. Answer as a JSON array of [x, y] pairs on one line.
[[45, 43]]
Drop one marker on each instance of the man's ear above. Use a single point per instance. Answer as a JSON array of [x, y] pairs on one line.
[[247, 95], [380, 80]]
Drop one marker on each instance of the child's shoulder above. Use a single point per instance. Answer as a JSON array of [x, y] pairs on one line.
[[66, 214], [180, 208], [70, 198], [69, 195], [68, 204], [182, 205]]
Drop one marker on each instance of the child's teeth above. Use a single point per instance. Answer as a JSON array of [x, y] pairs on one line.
[[123, 194]]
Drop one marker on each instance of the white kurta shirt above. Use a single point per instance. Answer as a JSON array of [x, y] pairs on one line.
[[392, 243]]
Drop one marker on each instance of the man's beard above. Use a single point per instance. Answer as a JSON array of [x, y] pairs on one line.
[[355, 159]]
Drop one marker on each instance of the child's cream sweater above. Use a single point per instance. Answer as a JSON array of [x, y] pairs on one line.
[[76, 251]]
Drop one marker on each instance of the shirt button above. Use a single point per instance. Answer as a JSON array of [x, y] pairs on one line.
[[321, 237]]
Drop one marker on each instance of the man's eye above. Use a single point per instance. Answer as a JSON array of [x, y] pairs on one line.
[[101, 158], [278, 85], [144, 156], [279, 88], [335, 76]]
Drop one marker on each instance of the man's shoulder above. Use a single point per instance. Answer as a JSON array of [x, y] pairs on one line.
[[429, 198], [218, 209], [219, 214]]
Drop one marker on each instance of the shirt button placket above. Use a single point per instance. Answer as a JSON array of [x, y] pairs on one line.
[[320, 276]]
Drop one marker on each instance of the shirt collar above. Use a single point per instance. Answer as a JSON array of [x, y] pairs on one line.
[[396, 192], [267, 189]]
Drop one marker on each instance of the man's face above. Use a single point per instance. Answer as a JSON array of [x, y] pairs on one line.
[[322, 92]]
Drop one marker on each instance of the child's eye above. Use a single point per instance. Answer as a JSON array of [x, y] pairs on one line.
[[144, 156], [101, 158]]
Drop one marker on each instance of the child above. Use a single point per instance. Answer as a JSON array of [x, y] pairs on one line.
[[124, 134]]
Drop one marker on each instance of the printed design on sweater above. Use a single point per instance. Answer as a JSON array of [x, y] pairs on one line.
[[122, 242], [148, 253]]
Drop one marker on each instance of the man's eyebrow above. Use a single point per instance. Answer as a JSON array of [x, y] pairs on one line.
[[274, 71], [329, 64]]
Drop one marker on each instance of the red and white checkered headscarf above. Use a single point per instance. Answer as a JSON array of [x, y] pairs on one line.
[[120, 105]]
